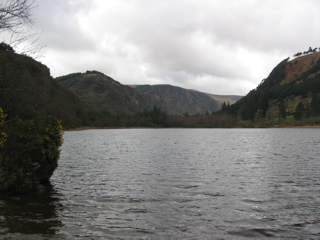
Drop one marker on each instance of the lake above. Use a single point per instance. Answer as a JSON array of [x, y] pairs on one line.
[[175, 184]]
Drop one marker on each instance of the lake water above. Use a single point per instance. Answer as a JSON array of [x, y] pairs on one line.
[[175, 184]]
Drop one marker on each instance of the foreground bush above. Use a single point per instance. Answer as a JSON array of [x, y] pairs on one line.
[[30, 153]]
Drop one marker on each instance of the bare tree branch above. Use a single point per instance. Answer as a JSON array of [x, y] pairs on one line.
[[17, 27], [15, 14]]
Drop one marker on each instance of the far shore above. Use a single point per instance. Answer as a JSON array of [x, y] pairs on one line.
[[97, 128]]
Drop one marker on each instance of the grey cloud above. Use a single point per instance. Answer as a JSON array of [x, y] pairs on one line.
[[224, 45]]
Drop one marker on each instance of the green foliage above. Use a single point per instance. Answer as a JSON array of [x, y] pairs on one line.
[[271, 88], [258, 99], [275, 77], [30, 154], [282, 109], [68, 80], [94, 72], [143, 88], [302, 84], [315, 104], [299, 112]]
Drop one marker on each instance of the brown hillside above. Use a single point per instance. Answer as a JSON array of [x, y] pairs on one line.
[[297, 66], [177, 101], [104, 93]]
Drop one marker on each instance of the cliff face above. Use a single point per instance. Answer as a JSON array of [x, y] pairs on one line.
[[26, 86]]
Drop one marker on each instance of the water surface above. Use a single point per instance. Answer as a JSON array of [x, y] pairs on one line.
[[176, 184]]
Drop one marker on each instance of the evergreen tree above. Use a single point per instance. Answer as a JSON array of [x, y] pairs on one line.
[[282, 109], [300, 109], [223, 107], [315, 104]]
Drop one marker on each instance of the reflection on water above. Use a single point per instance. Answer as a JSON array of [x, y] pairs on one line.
[[176, 184], [30, 216]]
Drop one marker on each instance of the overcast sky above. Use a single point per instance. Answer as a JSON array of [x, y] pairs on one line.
[[216, 46]]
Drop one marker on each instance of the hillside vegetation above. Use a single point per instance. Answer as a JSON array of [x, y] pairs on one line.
[[26, 87], [102, 93], [29, 137], [108, 96], [177, 101], [288, 96], [290, 92]]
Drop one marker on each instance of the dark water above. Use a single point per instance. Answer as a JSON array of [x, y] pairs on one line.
[[176, 184]]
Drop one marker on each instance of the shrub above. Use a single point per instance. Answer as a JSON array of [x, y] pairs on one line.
[[30, 154]]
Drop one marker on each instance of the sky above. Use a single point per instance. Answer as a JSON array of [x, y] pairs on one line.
[[216, 46]]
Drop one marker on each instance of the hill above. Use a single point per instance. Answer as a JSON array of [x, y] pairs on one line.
[[102, 93], [177, 101], [231, 99], [27, 87], [297, 66], [291, 89], [105, 94]]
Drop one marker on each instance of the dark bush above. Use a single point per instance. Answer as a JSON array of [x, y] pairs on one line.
[[30, 153]]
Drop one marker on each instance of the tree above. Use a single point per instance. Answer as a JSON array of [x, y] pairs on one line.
[[300, 109], [14, 14], [15, 20], [223, 107], [315, 104], [298, 54], [282, 109], [158, 116]]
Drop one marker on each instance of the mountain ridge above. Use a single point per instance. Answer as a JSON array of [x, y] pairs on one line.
[[291, 91], [104, 93]]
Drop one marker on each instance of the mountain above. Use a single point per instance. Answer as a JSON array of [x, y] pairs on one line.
[[27, 87], [291, 87], [290, 92], [92, 98], [231, 99], [102, 93], [178, 101]]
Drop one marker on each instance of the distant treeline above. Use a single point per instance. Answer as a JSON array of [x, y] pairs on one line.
[[310, 50]]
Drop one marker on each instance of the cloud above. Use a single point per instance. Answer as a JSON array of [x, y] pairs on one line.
[[223, 47]]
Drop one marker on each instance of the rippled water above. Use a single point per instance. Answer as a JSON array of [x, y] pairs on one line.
[[176, 184]]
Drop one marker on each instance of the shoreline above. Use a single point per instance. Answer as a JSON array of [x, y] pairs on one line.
[[101, 128]]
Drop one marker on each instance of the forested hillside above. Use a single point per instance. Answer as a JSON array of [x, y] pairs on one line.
[[102, 93], [26, 87], [177, 101], [289, 95], [106, 95], [291, 90]]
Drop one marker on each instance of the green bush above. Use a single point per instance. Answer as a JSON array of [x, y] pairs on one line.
[[30, 154]]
